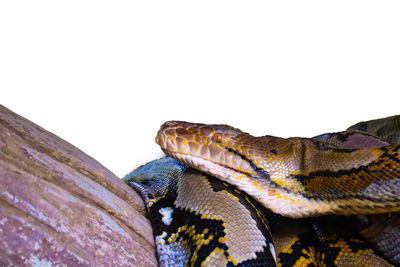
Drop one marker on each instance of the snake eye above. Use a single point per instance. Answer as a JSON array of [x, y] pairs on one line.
[[217, 137]]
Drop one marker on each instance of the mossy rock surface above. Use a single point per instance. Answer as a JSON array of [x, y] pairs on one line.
[[58, 206]]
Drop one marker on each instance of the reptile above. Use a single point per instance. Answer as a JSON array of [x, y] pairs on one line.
[[229, 198]]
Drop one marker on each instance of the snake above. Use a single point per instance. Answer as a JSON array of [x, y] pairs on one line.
[[223, 197]]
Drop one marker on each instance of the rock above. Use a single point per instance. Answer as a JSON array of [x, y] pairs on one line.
[[58, 206]]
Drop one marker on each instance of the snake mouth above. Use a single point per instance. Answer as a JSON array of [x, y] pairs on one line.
[[212, 168]]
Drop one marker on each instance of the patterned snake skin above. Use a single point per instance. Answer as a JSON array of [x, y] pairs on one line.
[[200, 220]]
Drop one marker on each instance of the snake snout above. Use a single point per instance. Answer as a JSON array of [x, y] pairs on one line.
[[182, 137]]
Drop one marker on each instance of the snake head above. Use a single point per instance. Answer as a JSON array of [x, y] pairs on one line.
[[219, 150]]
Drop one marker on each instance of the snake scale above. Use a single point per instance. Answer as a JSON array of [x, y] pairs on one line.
[[222, 197]]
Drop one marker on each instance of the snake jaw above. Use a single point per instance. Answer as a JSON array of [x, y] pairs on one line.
[[211, 167]]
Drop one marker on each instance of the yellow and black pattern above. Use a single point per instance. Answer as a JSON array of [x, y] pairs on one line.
[[369, 182], [201, 221], [185, 237], [313, 248], [383, 230], [325, 241]]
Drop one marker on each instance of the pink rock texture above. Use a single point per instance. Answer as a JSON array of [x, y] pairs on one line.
[[58, 206]]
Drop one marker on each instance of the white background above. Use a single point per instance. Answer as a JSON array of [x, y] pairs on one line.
[[104, 75]]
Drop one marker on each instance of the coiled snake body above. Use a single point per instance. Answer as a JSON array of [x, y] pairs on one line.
[[224, 212]]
